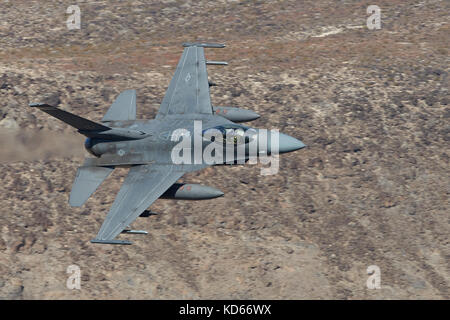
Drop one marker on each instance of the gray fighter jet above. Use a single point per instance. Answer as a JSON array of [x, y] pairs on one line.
[[148, 147]]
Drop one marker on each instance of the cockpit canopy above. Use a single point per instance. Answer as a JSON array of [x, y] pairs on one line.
[[230, 134]]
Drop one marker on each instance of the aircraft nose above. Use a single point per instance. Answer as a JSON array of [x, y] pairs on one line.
[[289, 144]]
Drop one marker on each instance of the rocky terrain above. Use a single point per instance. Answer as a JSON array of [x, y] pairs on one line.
[[371, 188]]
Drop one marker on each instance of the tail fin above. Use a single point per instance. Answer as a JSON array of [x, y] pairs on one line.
[[86, 182], [90, 128], [75, 121], [123, 108]]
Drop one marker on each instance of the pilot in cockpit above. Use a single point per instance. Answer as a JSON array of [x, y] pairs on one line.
[[233, 134]]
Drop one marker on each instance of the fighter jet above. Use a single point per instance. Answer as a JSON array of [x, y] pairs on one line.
[[149, 148]]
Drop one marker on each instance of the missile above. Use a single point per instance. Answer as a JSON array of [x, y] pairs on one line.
[[235, 114], [216, 63], [181, 191], [135, 231]]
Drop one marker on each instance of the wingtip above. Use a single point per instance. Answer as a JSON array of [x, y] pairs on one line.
[[112, 241], [204, 44]]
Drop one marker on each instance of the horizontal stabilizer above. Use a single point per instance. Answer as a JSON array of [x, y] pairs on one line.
[[86, 182], [71, 119], [204, 45], [123, 108]]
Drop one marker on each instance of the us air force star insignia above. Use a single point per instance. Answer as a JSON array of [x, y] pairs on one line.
[[188, 77]]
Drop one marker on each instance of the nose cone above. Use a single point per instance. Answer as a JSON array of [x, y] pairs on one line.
[[289, 144]]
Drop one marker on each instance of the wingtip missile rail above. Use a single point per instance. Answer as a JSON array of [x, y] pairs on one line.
[[204, 45]]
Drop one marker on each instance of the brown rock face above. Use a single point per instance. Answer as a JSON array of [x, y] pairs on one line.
[[372, 187]]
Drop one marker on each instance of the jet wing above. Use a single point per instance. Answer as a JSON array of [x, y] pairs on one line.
[[143, 185], [188, 91]]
